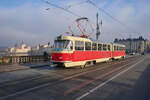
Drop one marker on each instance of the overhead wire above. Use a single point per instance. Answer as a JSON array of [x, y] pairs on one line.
[[59, 7], [115, 19], [76, 4], [92, 3], [65, 9]]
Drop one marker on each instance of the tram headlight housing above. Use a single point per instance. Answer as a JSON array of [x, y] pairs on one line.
[[60, 57]]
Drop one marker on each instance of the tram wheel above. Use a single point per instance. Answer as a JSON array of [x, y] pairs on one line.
[[90, 63], [82, 66]]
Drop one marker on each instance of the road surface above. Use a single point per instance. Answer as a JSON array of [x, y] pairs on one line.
[[127, 79]]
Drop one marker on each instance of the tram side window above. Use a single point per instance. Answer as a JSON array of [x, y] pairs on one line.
[[123, 48], [108, 47], [100, 47], [118, 48], [94, 46], [104, 47], [115, 48], [79, 45], [87, 45]]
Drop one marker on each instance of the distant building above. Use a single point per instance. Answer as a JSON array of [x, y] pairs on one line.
[[41, 49], [22, 50], [137, 45], [147, 46]]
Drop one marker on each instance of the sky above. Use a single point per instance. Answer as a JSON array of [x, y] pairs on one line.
[[29, 21]]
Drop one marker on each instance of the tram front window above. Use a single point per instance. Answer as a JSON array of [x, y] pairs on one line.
[[60, 45]]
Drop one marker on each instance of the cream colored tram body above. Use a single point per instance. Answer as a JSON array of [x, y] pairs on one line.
[[70, 51]]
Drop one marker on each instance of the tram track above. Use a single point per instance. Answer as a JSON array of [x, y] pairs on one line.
[[59, 71], [98, 76], [76, 73], [103, 76], [48, 82]]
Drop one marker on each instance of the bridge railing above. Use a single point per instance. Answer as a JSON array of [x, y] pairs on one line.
[[23, 59]]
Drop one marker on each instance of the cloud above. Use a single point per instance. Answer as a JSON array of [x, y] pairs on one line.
[[35, 25], [134, 14]]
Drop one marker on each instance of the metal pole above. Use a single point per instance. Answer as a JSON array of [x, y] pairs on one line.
[[97, 27]]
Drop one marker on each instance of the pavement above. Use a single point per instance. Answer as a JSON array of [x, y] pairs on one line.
[[118, 80]]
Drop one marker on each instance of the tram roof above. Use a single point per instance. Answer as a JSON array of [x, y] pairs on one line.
[[116, 44], [73, 38], [77, 38]]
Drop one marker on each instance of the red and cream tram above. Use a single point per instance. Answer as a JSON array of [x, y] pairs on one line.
[[72, 51]]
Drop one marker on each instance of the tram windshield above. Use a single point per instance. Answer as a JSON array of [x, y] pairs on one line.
[[60, 45]]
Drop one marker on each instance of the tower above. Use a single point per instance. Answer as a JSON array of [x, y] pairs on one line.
[[97, 27]]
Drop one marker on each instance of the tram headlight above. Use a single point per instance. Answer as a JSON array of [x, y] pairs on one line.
[[60, 57]]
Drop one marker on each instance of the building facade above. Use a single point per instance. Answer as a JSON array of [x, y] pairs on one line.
[[137, 45], [41, 49], [21, 50]]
